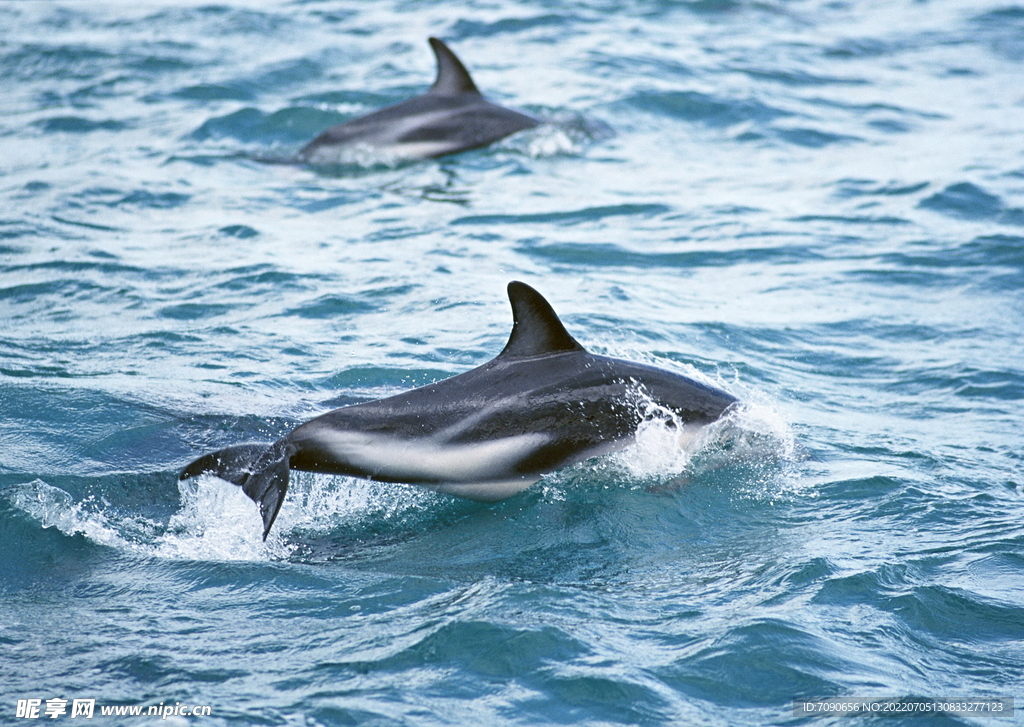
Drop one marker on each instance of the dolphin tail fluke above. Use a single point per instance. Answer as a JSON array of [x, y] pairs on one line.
[[261, 470]]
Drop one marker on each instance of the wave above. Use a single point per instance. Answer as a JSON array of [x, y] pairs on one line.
[[604, 255], [568, 217], [967, 201]]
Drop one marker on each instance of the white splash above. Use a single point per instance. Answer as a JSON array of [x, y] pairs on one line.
[[561, 134], [662, 445], [667, 450], [363, 155], [55, 508], [217, 521], [750, 431], [321, 503]]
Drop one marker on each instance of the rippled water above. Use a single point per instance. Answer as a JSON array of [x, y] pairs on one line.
[[818, 206]]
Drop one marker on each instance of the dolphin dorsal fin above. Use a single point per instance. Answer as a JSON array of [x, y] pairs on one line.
[[536, 330], [452, 76]]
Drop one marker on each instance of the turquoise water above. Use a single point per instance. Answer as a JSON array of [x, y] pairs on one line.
[[818, 206]]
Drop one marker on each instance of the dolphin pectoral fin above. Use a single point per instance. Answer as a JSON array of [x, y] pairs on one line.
[[261, 470]]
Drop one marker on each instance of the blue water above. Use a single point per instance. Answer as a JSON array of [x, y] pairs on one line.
[[816, 205]]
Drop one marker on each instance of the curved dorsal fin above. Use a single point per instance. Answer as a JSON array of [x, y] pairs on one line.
[[536, 329], [452, 76]]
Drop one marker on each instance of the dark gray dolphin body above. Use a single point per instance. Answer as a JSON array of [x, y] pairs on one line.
[[543, 403], [451, 116]]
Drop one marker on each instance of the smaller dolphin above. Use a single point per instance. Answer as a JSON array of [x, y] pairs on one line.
[[543, 403], [452, 116]]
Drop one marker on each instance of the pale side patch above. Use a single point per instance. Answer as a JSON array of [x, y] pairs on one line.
[[427, 461]]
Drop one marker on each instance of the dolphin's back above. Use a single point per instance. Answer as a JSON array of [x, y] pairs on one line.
[[451, 116], [435, 125], [568, 406]]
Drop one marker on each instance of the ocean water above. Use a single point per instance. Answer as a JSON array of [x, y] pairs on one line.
[[816, 205]]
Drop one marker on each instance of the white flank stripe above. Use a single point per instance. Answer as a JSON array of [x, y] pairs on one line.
[[429, 461]]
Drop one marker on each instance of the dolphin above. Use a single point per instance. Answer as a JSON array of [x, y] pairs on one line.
[[452, 116], [543, 403]]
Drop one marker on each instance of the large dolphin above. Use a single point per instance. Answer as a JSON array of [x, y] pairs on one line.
[[451, 116], [541, 404]]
